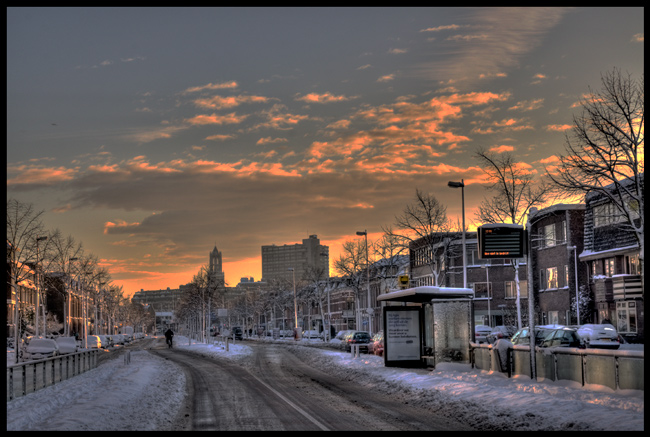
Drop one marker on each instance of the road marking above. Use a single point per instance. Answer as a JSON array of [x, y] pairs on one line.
[[311, 418]]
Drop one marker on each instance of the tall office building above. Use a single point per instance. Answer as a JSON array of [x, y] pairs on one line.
[[277, 260]]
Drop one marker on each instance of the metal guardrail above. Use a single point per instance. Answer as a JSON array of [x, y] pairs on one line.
[[29, 376], [616, 369]]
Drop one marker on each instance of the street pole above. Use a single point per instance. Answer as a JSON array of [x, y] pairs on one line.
[[38, 286], [461, 185], [365, 232]]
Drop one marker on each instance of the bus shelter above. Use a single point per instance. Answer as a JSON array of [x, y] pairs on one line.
[[424, 326]]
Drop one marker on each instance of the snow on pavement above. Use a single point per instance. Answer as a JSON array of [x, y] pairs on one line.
[[140, 395]]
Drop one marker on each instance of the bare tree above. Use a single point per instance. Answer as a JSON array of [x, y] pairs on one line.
[[61, 252], [351, 265], [25, 248], [605, 151], [515, 192], [424, 221]]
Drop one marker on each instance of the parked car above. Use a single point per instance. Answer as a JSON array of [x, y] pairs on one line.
[[481, 332], [106, 340], [501, 331], [237, 333], [523, 335], [40, 348], [357, 337], [67, 345], [562, 337], [376, 345], [340, 336], [599, 336], [94, 342], [117, 339], [310, 334]]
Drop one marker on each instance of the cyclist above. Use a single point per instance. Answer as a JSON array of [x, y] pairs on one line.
[[169, 335]]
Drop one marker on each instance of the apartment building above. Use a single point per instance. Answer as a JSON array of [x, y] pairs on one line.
[[559, 277], [278, 260], [611, 252]]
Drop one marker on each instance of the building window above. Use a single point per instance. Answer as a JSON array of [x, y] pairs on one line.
[[607, 214], [549, 236], [481, 290], [551, 278], [609, 267], [553, 318], [566, 275], [626, 317], [511, 289], [562, 238], [632, 264]]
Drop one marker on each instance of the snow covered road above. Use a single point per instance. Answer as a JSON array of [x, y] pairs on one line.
[[140, 395]]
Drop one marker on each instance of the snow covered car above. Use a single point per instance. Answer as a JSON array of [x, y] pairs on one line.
[[310, 334], [94, 342], [599, 336], [501, 331], [106, 340], [67, 345], [39, 348], [117, 339], [481, 332]]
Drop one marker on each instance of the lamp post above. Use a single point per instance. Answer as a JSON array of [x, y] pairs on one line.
[[360, 233], [575, 272], [295, 303], [487, 278], [38, 285], [461, 185]]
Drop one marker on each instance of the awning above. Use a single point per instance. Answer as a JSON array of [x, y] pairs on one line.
[[427, 294]]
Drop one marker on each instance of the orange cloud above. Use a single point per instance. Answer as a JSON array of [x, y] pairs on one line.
[[558, 127], [323, 98], [219, 102], [120, 227], [39, 175], [501, 149], [231, 118], [211, 86]]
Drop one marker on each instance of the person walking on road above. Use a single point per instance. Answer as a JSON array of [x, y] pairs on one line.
[[169, 335]]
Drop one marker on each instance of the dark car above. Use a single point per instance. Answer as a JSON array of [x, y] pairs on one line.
[[501, 331], [357, 337], [523, 335], [562, 337], [237, 333], [549, 336]]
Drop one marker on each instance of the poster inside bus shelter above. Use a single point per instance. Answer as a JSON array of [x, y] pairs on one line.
[[403, 331]]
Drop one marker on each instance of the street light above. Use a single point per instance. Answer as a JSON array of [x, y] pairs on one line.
[[295, 303], [360, 233], [575, 260], [461, 185], [38, 286]]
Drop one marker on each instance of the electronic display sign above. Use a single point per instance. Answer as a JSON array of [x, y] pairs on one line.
[[501, 240]]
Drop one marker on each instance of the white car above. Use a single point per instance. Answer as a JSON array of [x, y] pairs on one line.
[[40, 348], [67, 345], [118, 338], [599, 336]]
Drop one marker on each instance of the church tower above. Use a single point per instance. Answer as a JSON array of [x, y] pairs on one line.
[[216, 266]]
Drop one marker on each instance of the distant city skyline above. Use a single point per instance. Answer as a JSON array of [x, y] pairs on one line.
[[152, 134]]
